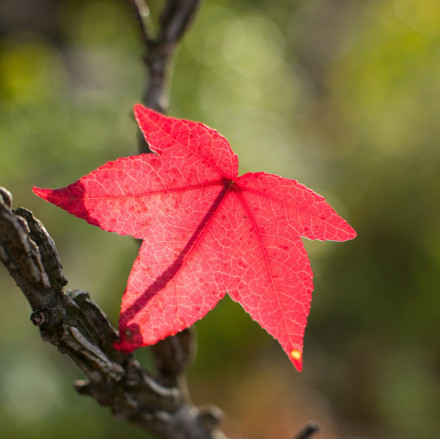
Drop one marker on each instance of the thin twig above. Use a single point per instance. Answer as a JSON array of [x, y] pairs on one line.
[[307, 431], [174, 21], [143, 18]]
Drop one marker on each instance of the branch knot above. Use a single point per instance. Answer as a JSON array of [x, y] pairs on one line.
[[40, 317]]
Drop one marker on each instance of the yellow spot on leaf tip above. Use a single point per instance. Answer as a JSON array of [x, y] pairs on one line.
[[296, 358], [295, 354]]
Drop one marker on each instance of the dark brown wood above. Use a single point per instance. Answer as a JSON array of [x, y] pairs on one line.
[[174, 21], [80, 329]]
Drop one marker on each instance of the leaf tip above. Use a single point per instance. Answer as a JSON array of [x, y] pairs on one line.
[[138, 108], [130, 338], [351, 233], [296, 359], [42, 193], [121, 346]]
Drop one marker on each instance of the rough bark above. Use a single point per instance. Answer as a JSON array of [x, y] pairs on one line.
[[79, 329]]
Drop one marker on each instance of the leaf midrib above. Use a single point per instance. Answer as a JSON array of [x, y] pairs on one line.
[[263, 249]]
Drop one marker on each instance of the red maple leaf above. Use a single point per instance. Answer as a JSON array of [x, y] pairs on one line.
[[206, 231]]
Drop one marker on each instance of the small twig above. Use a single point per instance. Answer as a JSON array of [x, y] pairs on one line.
[[307, 431], [174, 21], [176, 18], [142, 14]]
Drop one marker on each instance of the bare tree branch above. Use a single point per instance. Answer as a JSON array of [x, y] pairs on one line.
[[77, 326], [173, 354], [79, 329], [174, 21]]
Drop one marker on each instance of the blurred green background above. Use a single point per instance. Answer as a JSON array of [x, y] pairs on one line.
[[342, 95]]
